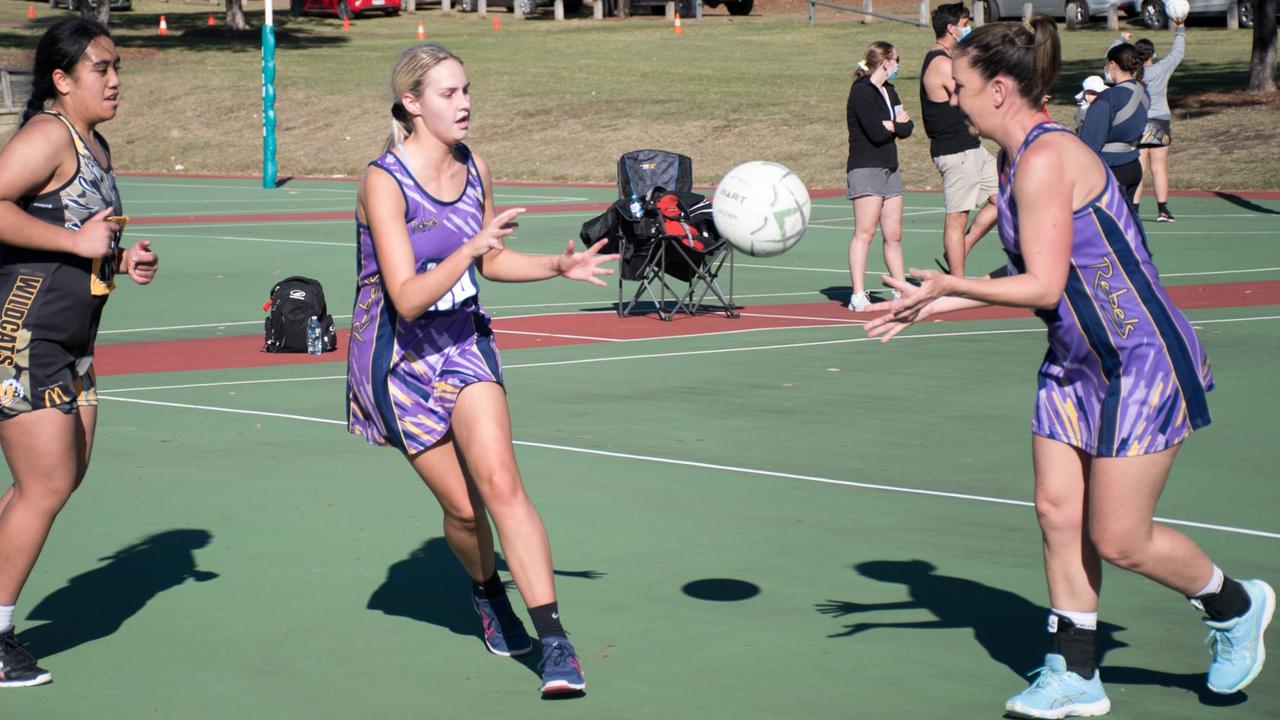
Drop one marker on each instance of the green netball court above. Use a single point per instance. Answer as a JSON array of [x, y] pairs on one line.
[[748, 522]]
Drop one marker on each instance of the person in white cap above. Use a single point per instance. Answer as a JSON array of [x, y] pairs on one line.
[[1089, 90]]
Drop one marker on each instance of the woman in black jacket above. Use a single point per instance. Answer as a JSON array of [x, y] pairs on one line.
[[876, 120]]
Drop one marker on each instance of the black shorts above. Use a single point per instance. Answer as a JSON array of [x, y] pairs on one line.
[[48, 322]]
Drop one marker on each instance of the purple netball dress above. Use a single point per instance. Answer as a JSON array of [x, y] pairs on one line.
[[403, 376], [1125, 373]]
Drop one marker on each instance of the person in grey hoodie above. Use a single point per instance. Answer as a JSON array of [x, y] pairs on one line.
[[1153, 148]]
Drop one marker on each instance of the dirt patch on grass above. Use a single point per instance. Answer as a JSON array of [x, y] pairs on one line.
[[1232, 99]]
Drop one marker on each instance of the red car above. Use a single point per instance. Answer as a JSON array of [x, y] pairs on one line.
[[344, 9]]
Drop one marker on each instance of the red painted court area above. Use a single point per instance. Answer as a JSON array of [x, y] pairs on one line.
[[604, 326]]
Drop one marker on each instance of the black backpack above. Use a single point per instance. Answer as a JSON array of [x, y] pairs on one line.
[[293, 301]]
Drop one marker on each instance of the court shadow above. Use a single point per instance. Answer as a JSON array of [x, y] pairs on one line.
[[430, 586], [842, 293], [1008, 626], [1246, 204], [96, 603], [720, 589]]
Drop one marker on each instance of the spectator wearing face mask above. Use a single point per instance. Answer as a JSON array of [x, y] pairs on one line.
[[1116, 119], [876, 120], [1153, 148], [1089, 90]]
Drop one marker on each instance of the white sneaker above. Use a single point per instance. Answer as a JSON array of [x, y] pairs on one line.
[[859, 302]]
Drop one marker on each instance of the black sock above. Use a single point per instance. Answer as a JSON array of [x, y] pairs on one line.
[[1076, 645], [1229, 602], [1163, 207], [492, 587], [546, 620]]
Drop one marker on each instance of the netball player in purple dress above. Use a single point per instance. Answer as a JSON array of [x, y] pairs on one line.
[[423, 372], [1122, 385]]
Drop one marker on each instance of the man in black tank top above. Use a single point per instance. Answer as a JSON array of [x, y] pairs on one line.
[[968, 170]]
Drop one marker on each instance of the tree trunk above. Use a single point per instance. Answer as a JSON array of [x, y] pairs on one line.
[[235, 15], [1262, 64], [101, 13]]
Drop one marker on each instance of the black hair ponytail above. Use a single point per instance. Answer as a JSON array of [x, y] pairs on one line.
[[60, 48]]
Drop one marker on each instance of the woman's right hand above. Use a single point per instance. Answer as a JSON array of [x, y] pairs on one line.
[[493, 236], [96, 237]]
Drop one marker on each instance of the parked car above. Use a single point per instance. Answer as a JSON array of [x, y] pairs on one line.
[[686, 8], [345, 9], [1075, 12], [75, 4], [1153, 15], [527, 7]]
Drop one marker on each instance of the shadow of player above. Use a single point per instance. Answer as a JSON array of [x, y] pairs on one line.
[[94, 604], [1007, 625]]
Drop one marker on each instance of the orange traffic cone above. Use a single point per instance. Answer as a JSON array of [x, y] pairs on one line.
[[164, 27], [497, 23], [422, 33], [346, 23], [31, 12], [678, 29], [212, 22]]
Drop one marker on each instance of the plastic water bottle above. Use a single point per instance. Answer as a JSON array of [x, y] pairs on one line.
[[315, 336], [636, 208]]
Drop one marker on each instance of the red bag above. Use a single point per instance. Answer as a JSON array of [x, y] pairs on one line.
[[675, 222]]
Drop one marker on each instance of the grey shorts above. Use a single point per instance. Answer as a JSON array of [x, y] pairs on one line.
[[1158, 133], [884, 182], [968, 179]]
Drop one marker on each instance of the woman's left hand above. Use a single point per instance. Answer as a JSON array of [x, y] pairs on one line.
[[584, 265], [933, 285], [905, 311], [141, 263]]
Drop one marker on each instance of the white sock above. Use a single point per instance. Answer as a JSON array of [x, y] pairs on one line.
[[1082, 620], [6, 617], [1214, 587]]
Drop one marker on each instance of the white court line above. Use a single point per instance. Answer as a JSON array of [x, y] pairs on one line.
[[233, 201], [1220, 272], [1156, 233], [837, 321], [559, 335], [651, 356], [171, 236], [708, 466], [226, 382], [289, 191], [579, 303], [137, 182]]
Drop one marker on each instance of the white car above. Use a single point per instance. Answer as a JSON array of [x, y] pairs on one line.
[[1075, 12]]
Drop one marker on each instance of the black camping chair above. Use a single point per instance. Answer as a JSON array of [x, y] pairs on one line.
[[677, 270]]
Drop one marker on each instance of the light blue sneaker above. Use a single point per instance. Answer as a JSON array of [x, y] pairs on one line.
[[504, 634], [561, 672], [1238, 650], [1058, 693]]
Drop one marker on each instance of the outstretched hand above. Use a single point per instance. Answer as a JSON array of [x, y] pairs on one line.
[[911, 307], [584, 265], [494, 235]]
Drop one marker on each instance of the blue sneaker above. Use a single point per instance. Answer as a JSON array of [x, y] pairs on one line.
[[1238, 651], [561, 672], [1057, 693], [504, 634]]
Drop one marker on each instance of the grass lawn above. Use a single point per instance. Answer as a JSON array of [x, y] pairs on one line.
[[561, 101]]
